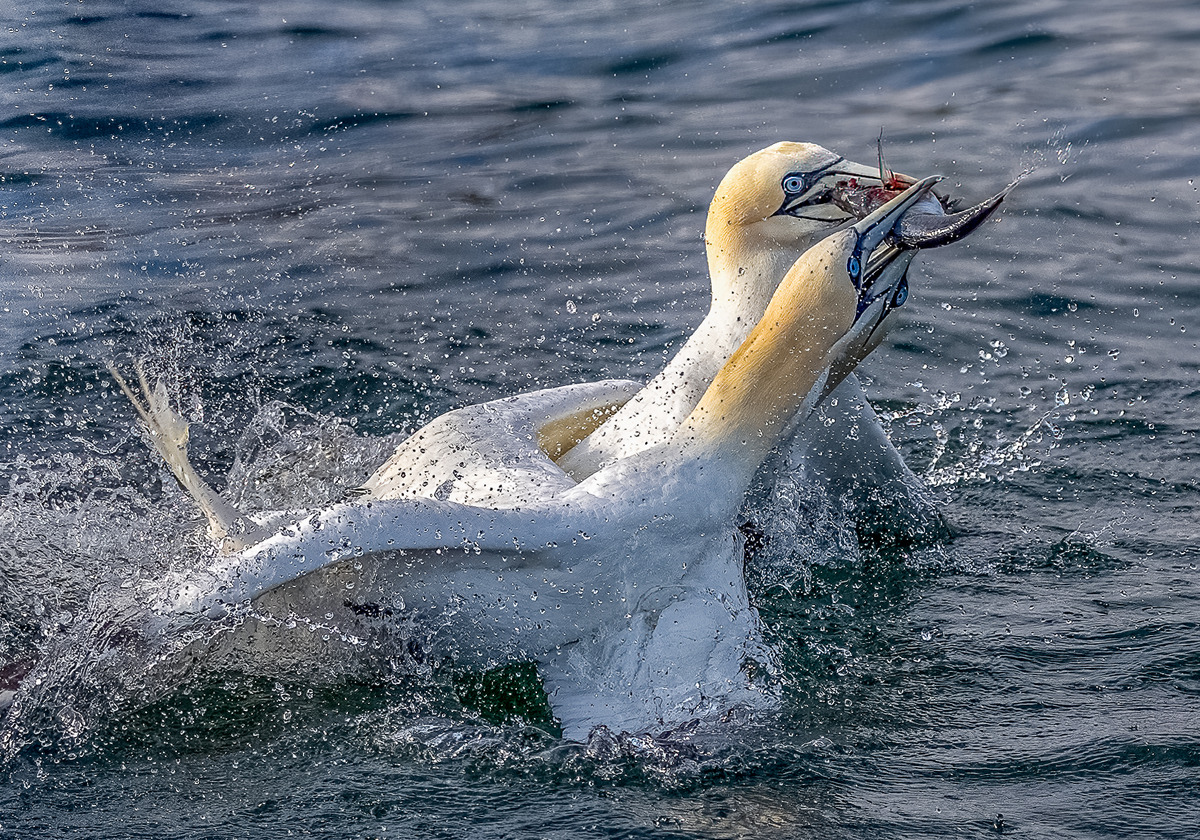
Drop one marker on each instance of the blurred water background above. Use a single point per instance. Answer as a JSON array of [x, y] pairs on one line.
[[331, 222]]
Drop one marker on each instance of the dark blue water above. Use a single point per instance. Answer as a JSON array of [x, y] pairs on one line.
[[332, 222]]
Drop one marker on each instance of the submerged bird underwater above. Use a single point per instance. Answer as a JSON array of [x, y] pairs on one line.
[[621, 580]]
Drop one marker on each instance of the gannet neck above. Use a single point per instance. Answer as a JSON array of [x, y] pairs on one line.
[[745, 269], [754, 396], [745, 264], [767, 211], [826, 312]]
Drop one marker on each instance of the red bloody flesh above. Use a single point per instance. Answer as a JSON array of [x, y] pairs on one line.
[[860, 200]]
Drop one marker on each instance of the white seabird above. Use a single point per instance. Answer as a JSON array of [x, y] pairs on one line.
[[767, 211]]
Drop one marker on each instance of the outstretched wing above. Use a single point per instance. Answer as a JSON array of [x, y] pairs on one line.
[[319, 539], [499, 454]]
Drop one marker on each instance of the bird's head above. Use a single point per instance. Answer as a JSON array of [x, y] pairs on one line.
[[770, 208]]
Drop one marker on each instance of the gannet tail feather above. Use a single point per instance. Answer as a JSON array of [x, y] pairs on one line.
[[168, 432]]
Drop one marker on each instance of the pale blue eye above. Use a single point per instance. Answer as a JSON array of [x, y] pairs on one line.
[[854, 267], [794, 184], [901, 294]]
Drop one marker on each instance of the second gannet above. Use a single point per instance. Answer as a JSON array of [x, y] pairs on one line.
[[768, 210], [625, 589]]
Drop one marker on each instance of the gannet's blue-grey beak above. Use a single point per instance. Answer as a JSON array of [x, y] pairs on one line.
[[872, 268], [888, 238], [878, 269]]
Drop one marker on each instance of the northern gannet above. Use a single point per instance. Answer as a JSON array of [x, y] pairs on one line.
[[625, 589], [767, 211]]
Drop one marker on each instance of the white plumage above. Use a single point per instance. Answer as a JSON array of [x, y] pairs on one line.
[[626, 589]]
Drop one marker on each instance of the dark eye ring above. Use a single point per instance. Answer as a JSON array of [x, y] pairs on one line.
[[901, 293], [854, 266], [794, 184]]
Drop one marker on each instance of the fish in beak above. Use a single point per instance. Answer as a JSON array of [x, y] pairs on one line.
[[888, 237], [928, 225]]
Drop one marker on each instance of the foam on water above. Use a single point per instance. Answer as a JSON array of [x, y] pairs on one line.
[[85, 553]]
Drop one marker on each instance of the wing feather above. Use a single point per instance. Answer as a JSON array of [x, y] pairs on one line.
[[499, 454], [322, 538]]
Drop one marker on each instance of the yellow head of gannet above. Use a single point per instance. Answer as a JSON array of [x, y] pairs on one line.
[[767, 211]]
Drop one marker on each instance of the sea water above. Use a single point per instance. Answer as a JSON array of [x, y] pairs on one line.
[[328, 223]]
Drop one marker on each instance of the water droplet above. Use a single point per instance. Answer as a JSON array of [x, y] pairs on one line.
[[571, 307], [1062, 397], [1114, 353]]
